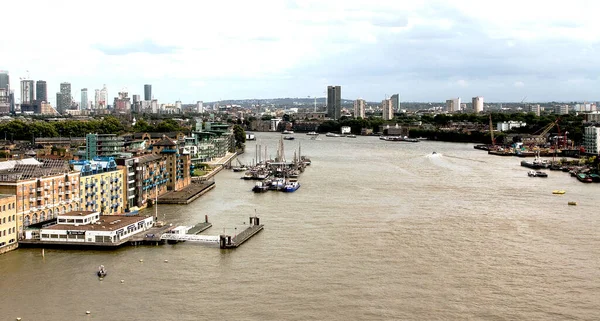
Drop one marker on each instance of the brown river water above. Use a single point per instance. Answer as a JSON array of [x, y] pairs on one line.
[[378, 231]]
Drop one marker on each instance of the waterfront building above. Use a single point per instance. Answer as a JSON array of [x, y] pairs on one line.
[[103, 145], [395, 102], [84, 99], [508, 125], [8, 223], [453, 105], [334, 102], [101, 185], [27, 92], [147, 92], [477, 104], [208, 143], [178, 163], [388, 111], [591, 140], [89, 227], [43, 189], [359, 108], [41, 91], [146, 179]]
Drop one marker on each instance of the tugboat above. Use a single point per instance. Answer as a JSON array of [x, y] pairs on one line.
[[260, 187], [291, 186], [101, 271]]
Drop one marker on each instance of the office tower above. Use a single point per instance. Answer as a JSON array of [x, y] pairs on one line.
[[12, 101], [27, 92], [478, 104], [136, 105], [121, 103], [63, 98], [395, 102], [334, 101], [4, 101], [147, 92], [453, 105], [103, 97], [4, 80], [359, 108], [386, 107], [96, 98], [84, 99], [199, 107], [41, 91]]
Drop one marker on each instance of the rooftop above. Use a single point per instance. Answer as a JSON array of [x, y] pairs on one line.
[[6, 196], [106, 223], [77, 213]]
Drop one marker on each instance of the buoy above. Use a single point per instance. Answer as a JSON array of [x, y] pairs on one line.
[[18, 319], [122, 281], [43, 254], [87, 312], [166, 261], [141, 260]]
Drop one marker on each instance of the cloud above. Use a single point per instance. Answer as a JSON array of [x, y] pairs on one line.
[[145, 46]]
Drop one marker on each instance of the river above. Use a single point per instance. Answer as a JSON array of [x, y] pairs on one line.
[[378, 231]]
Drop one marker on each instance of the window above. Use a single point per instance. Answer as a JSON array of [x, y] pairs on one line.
[[45, 236], [4, 207], [78, 221], [53, 236]]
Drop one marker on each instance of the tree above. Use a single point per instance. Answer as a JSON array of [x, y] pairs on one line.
[[142, 126], [240, 136]]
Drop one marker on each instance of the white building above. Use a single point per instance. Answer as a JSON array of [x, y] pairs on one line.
[[536, 109], [275, 123], [388, 110], [453, 105], [359, 108], [199, 107], [508, 125], [477, 104], [591, 140], [91, 227]]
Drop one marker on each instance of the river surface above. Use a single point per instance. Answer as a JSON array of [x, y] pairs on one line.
[[378, 231]]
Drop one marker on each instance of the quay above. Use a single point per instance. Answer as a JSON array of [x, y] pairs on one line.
[[228, 242], [187, 195]]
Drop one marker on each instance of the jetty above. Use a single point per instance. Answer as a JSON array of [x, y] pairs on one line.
[[187, 195], [200, 227], [228, 242]]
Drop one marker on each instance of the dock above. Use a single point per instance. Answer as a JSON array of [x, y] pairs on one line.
[[151, 236], [228, 242], [200, 227], [188, 194]]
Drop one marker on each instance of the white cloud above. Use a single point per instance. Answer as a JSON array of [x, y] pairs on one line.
[[270, 48]]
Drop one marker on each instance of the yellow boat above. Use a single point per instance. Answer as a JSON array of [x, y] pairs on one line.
[[572, 203], [558, 192]]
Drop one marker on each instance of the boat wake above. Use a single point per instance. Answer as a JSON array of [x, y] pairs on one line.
[[469, 159]]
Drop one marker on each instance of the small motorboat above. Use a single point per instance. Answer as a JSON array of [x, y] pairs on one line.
[[433, 153], [288, 137], [572, 203], [560, 192], [541, 174], [101, 271]]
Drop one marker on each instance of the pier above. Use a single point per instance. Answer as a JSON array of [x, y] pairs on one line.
[[228, 242], [188, 194]]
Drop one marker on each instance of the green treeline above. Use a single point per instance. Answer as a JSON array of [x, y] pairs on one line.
[[28, 130]]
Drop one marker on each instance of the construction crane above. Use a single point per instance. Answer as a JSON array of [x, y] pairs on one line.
[[546, 129]]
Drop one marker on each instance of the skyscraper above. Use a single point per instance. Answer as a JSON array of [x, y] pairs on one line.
[[4, 80], [453, 105], [359, 108], [27, 92], [334, 101], [64, 98], [386, 107], [477, 104], [84, 99], [41, 91], [147, 92], [395, 102]]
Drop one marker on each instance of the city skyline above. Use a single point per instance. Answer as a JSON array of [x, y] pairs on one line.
[[424, 50]]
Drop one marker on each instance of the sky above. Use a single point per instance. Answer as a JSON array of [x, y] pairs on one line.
[[215, 50]]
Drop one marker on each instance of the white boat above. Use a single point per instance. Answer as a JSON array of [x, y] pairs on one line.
[[312, 134], [101, 271], [291, 186], [351, 136], [332, 135], [286, 132]]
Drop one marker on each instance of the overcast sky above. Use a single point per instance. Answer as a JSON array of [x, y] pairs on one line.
[[210, 50]]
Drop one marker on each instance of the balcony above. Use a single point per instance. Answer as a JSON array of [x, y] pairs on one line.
[[68, 192], [39, 189], [60, 184], [67, 184], [39, 198], [46, 187]]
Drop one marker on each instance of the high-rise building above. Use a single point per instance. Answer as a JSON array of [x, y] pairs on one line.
[[386, 107], [84, 99], [591, 140], [453, 105], [147, 92], [395, 102], [334, 101], [477, 104], [27, 92], [199, 107], [96, 98], [359, 108], [136, 105], [41, 91], [122, 103], [103, 97], [4, 101], [12, 101], [4, 80], [63, 98], [536, 109]]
